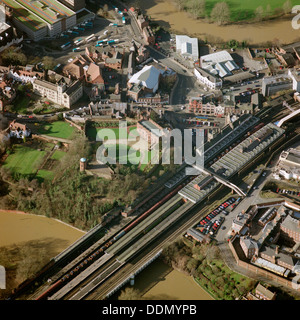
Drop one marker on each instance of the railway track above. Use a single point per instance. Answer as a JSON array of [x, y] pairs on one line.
[[104, 289], [95, 273]]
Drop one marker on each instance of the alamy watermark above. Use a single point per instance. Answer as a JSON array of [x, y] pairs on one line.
[[295, 24], [151, 145]]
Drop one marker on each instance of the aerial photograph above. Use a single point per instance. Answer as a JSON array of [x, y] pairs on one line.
[[149, 153]]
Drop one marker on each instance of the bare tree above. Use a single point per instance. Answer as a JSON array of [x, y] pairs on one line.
[[287, 7], [259, 13], [269, 11], [197, 8], [180, 4], [220, 13]]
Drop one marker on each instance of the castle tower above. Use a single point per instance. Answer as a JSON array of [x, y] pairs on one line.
[[82, 164]]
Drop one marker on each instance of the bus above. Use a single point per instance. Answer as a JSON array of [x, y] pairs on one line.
[[66, 45], [76, 49], [89, 37], [56, 67], [77, 41]]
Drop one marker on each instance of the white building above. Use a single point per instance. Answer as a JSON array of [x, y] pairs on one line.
[[288, 165], [211, 81], [295, 76], [219, 64], [148, 78], [60, 93], [188, 47]]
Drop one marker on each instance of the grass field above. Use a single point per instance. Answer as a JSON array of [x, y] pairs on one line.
[[58, 129], [57, 155], [92, 132], [131, 157], [245, 10], [24, 160], [43, 175]]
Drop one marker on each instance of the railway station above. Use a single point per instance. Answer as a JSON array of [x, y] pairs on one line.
[[246, 151], [204, 185]]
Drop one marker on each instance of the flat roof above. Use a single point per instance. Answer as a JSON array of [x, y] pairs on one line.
[[49, 10], [152, 127], [187, 46], [26, 17]]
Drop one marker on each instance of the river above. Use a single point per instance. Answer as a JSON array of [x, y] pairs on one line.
[[157, 282], [160, 282], [17, 228], [179, 22]]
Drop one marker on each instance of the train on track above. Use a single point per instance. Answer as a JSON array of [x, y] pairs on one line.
[[99, 252]]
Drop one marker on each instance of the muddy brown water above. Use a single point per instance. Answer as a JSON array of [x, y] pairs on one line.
[[17, 228], [166, 14], [158, 281]]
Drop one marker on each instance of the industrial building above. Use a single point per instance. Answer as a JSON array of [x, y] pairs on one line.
[[219, 64], [246, 151]]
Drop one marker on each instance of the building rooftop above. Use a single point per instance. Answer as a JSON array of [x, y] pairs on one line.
[[147, 77], [219, 63], [242, 154], [29, 19], [48, 11], [187, 46], [155, 129]]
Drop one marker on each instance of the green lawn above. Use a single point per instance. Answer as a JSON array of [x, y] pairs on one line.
[[245, 10], [57, 155], [131, 155], [24, 160], [58, 129], [43, 175], [92, 132]]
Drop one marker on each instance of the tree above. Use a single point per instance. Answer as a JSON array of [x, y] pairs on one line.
[[287, 7], [130, 294], [269, 11], [49, 62], [259, 13], [220, 13], [197, 8]]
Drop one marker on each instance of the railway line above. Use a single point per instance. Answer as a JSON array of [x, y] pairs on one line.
[[137, 261], [127, 241], [124, 257]]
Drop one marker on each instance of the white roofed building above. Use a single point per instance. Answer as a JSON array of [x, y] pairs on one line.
[[219, 64], [187, 46], [148, 78]]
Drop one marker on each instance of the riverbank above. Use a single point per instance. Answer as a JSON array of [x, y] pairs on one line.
[[179, 22], [161, 282], [28, 242]]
